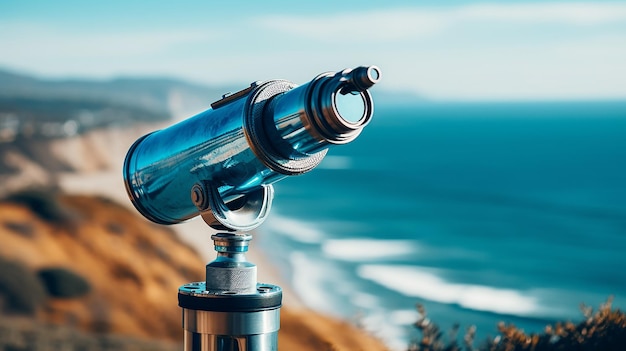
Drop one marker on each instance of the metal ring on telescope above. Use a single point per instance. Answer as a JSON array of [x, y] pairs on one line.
[[261, 139], [251, 211]]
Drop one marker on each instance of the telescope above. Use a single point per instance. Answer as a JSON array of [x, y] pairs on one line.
[[220, 164]]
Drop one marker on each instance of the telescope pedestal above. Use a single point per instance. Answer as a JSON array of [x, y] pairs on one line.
[[230, 311]]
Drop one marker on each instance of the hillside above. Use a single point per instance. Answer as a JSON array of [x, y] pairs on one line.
[[27, 162], [131, 268]]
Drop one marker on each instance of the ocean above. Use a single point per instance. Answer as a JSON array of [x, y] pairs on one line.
[[482, 212]]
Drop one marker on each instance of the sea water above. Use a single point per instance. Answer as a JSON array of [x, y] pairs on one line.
[[511, 212]]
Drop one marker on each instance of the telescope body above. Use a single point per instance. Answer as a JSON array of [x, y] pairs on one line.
[[221, 163]]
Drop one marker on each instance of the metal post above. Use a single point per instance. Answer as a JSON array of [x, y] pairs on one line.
[[230, 311]]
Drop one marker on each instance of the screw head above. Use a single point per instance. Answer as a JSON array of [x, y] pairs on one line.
[[198, 197]]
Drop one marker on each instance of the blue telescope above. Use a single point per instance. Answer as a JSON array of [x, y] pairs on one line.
[[221, 163]]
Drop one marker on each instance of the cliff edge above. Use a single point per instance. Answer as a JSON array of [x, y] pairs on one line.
[[125, 272]]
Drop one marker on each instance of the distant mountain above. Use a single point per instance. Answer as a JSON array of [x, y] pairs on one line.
[[152, 94], [34, 107]]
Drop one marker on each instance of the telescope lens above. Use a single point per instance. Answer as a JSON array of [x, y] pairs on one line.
[[351, 107], [373, 74]]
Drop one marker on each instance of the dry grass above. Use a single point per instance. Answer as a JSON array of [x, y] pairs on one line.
[[604, 329]]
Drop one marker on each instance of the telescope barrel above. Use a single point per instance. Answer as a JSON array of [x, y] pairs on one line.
[[221, 163]]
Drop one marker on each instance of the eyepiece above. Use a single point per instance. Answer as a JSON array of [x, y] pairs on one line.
[[342, 104], [331, 109], [361, 79]]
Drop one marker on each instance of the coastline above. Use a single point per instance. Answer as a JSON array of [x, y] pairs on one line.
[[301, 328]]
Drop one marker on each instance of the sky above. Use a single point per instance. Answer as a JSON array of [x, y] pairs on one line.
[[440, 50]]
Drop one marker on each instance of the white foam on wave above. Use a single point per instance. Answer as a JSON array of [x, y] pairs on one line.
[[403, 317], [297, 230], [314, 285], [364, 300], [362, 250], [420, 282], [308, 282], [389, 326]]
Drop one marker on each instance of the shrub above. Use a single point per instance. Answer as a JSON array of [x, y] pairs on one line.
[[432, 338], [22, 228], [115, 228], [63, 283], [43, 202], [602, 330], [20, 288], [125, 272]]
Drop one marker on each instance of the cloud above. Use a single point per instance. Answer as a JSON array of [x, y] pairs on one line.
[[23, 40], [378, 26], [576, 68], [536, 51], [567, 13], [467, 52], [403, 23]]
